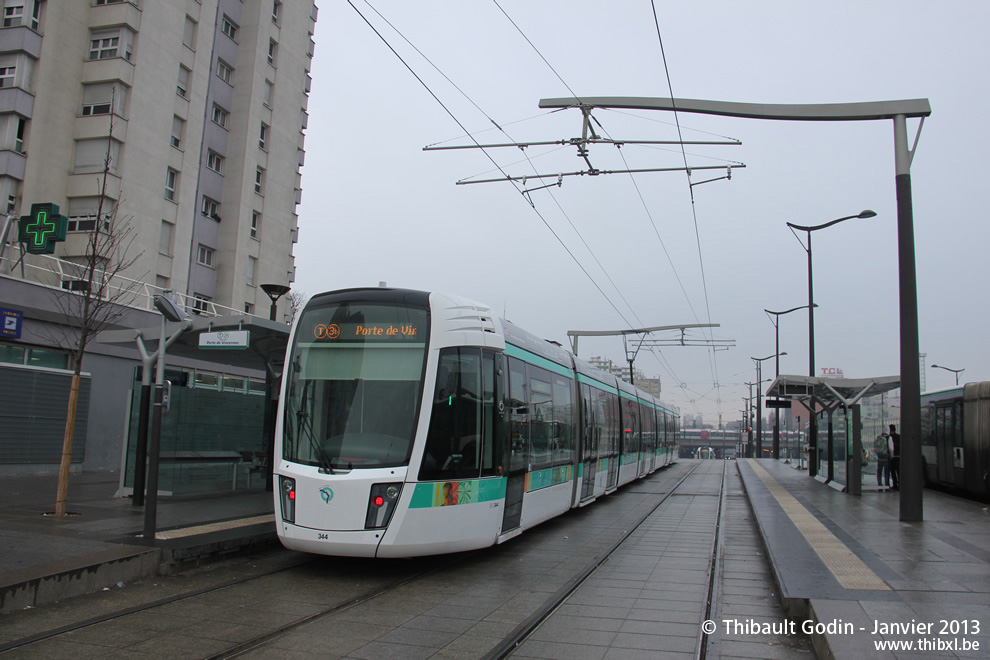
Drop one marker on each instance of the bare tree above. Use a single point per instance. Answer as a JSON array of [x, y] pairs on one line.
[[296, 301], [95, 300]]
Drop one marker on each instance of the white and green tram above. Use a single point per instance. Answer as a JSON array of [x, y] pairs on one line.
[[415, 423]]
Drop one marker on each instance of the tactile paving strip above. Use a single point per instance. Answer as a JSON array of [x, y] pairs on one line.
[[213, 527], [848, 569]]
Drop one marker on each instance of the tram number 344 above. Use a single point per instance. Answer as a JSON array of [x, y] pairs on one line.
[[323, 537]]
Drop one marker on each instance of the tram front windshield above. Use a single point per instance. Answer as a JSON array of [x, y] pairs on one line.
[[355, 379]]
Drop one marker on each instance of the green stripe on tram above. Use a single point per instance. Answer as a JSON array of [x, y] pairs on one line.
[[597, 384], [524, 355]]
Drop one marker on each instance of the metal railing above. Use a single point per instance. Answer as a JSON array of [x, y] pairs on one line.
[[58, 274]]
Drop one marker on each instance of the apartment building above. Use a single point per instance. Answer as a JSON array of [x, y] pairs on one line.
[[206, 100], [201, 107]]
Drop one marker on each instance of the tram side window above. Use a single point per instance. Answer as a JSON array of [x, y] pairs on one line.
[[518, 415], [613, 423], [563, 416], [630, 423], [543, 428], [462, 419]]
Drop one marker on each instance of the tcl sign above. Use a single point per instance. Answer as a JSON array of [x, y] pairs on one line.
[[832, 371]]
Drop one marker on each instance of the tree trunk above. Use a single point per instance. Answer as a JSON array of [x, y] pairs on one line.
[[70, 427]]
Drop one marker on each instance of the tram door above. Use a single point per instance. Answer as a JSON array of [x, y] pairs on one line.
[[613, 428], [948, 442], [517, 453]]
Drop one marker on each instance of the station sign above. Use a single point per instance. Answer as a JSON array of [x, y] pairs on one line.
[[778, 403], [12, 320], [226, 339]]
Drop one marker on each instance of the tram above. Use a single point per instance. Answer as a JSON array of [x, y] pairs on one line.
[[415, 423], [955, 439]]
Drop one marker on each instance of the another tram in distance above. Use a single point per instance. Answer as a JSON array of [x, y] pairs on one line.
[[955, 439], [415, 423]]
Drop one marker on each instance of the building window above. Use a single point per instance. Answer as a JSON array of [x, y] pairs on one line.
[[220, 116], [183, 83], [91, 156], [7, 76], [255, 224], [103, 46], [263, 137], [98, 97], [165, 238], [189, 33], [178, 127], [224, 71], [171, 181], [214, 161], [269, 89], [211, 208], [82, 213], [201, 303], [252, 267], [248, 308], [259, 181], [13, 13], [206, 255], [276, 11], [36, 16], [108, 2], [272, 52], [162, 282], [19, 138], [229, 28]]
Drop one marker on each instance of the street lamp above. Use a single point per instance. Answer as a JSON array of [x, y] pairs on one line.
[[955, 371], [813, 430], [759, 401], [274, 292], [776, 334]]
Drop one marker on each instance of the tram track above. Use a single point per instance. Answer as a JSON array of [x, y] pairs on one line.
[[346, 590], [144, 607], [526, 629]]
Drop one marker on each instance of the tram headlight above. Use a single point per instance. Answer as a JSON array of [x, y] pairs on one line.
[[381, 504], [287, 489]]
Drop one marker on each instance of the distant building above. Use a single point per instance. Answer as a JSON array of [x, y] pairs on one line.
[[649, 385], [208, 101]]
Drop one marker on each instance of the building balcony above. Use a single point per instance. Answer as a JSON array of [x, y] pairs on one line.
[[12, 164], [16, 100], [20, 40]]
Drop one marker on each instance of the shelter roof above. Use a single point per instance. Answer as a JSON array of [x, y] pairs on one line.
[[831, 391], [267, 341]]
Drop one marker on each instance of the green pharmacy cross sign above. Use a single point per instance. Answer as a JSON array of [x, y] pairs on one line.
[[42, 229]]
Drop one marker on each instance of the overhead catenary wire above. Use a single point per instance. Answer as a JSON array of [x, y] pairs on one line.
[[694, 212], [489, 156]]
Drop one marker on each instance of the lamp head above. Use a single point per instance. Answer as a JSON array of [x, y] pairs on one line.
[[275, 291], [169, 309], [866, 214]]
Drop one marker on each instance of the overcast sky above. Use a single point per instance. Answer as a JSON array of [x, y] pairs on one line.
[[617, 251]]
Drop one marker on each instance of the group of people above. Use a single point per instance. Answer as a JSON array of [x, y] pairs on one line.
[[887, 448]]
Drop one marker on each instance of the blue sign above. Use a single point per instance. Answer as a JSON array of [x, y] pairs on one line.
[[12, 319]]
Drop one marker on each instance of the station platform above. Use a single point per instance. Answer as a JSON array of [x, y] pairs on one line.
[[845, 567], [99, 542], [848, 565]]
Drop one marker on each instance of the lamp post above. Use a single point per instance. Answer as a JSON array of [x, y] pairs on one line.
[[813, 429], [759, 401], [955, 371], [776, 339], [274, 292], [170, 312]]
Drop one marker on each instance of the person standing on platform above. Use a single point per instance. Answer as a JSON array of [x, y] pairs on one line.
[[895, 457], [882, 452]]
